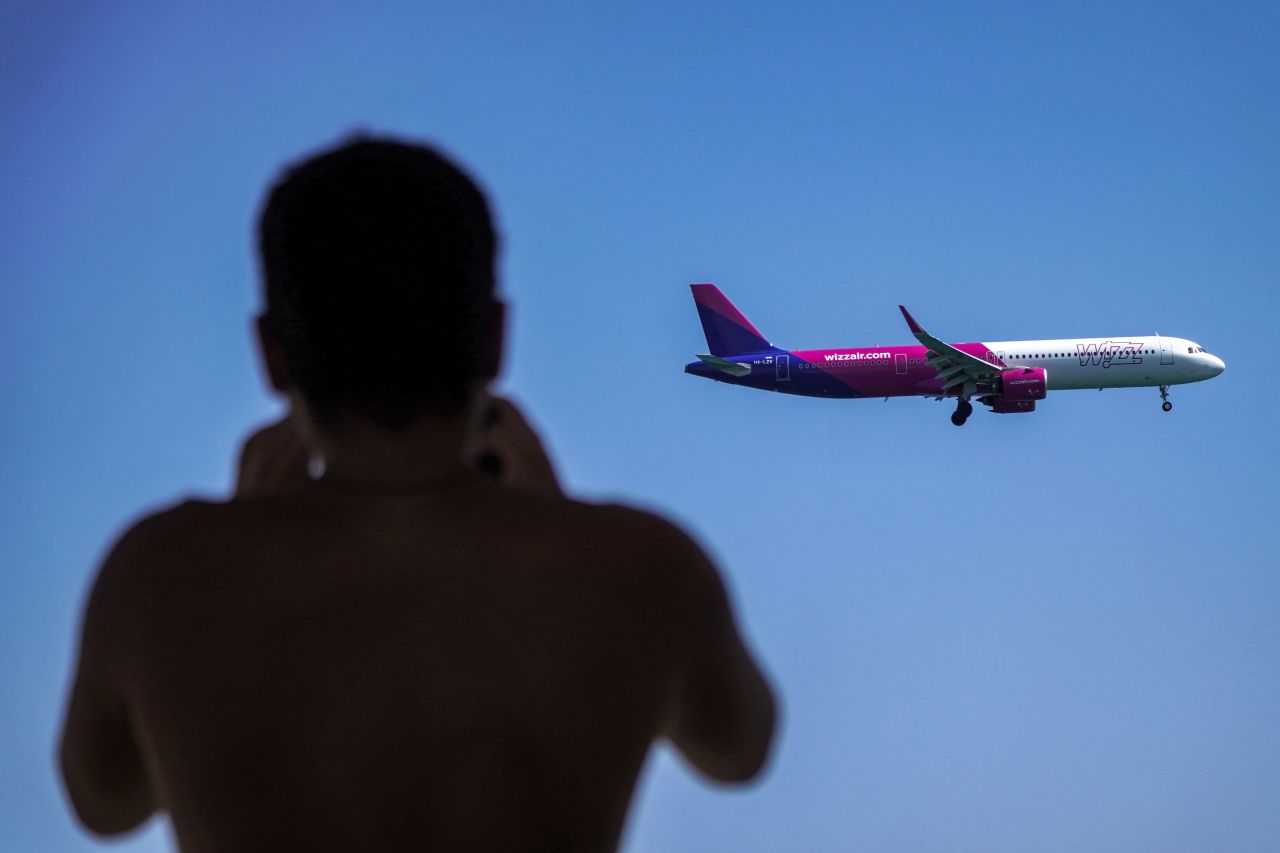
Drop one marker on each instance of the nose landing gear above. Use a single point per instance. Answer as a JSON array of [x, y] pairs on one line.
[[1164, 395], [963, 409]]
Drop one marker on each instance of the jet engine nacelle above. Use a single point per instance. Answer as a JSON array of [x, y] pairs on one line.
[[1019, 390], [1023, 384]]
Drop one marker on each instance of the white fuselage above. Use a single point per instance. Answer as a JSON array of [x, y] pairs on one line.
[[1119, 362]]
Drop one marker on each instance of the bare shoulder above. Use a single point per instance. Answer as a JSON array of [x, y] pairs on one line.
[[143, 544], [640, 544], [638, 526], [122, 597]]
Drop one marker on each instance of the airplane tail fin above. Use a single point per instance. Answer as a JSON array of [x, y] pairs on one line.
[[727, 331]]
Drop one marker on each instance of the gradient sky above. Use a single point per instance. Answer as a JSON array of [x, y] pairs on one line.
[[1053, 632]]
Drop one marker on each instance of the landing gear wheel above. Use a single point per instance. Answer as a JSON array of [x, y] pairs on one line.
[[963, 409], [958, 419], [1164, 395], [1167, 406]]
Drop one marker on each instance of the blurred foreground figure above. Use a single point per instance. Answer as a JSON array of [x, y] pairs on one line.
[[428, 647]]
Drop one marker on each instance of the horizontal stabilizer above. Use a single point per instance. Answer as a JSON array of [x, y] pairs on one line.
[[732, 368]]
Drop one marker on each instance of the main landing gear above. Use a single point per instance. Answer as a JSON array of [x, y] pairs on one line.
[[1164, 395], [963, 409]]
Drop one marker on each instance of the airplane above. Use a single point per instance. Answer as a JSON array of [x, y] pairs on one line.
[[1009, 377]]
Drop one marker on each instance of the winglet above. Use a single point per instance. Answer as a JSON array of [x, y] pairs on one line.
[[911, 321]]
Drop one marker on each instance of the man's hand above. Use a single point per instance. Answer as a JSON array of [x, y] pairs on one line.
[[272, 459], [508, 449]]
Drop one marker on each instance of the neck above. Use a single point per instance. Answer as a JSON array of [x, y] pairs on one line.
[[361, 455]]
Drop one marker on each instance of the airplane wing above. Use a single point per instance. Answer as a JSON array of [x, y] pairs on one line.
[[954, 367]]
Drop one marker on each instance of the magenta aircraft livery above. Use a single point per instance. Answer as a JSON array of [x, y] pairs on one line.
[[1008, 376]]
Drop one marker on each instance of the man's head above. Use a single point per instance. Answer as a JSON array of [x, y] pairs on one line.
[[378, 264]]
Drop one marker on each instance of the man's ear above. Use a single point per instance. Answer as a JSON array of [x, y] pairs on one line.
[[273, 360], [494, 331]]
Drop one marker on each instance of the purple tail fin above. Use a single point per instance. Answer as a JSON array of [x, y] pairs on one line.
[[727, 331]]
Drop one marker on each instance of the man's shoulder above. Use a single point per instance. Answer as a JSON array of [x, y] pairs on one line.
[[162, 528], [161, 536], [123, 585], [660, 549], [638, 525]]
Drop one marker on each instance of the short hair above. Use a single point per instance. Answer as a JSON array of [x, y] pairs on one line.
[[378, 265]]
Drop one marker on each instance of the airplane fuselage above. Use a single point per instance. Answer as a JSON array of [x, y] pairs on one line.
[[1131, 361]]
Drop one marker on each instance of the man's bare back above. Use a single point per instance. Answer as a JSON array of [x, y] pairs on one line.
[[402, 655], [390, 671]]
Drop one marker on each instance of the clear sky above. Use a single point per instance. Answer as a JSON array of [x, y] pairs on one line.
[[1047, 632]]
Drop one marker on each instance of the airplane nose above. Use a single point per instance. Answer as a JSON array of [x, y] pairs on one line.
[[1216, 365]]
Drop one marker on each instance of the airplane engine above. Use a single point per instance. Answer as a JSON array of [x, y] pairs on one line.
[[1019, 390], [1024, 384]]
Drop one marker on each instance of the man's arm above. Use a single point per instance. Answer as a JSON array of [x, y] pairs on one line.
[[102, 765], [721, 714]]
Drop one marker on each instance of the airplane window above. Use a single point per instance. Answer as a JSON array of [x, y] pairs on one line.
[[1189, 349]]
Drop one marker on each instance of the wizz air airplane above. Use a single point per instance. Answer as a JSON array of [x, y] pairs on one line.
[[1007, 376]]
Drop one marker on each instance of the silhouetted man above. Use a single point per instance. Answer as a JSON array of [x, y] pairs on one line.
[[402, 653]]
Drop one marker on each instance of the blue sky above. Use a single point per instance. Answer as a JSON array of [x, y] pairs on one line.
[[1048, 632]]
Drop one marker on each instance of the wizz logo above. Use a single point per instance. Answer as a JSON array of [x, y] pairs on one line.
[[1108, 353]]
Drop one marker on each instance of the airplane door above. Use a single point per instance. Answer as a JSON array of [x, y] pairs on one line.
[[783, 366], [900, 362], [1166, 351]]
